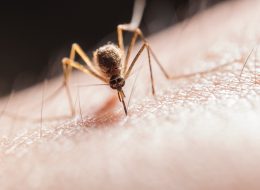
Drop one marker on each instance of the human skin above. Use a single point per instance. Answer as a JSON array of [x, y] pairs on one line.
[[199, 132]]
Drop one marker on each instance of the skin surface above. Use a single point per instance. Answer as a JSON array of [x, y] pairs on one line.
[[199, 132]]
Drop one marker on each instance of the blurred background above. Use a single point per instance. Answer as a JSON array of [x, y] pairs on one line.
[[34, 36]]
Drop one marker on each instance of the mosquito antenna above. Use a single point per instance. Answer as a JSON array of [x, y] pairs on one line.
[[138, 10], [133, 87], [80, 111]]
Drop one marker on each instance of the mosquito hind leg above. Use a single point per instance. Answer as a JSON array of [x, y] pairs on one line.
[[66, 72], [138, 33], [127, 73]]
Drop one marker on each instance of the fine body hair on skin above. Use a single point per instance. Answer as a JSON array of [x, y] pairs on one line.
[[200, 132]]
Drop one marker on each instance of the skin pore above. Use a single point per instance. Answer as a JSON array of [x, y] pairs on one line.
[[199, 132]]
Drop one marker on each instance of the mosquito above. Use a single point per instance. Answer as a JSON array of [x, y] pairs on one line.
[[110, 63]]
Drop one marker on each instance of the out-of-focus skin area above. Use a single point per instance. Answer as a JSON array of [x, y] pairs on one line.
[[199, 132]]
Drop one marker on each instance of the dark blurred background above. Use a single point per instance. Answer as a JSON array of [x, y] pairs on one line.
[[34, 36]]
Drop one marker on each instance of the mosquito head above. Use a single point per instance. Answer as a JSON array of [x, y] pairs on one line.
[[109, 59], [117, 82]]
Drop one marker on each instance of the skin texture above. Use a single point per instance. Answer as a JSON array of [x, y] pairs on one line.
[[200, 132]]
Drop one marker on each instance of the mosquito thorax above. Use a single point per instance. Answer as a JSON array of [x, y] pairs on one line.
[[109, 59], [116, 82]]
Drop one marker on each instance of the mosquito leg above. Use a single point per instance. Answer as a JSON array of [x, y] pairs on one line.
[[70, 63], [90, 67], [134, 61], [80, 110], [121, 44], [151, 70], [129, 50], [120, 29], [137, 32], [66, 71], [120, 37], [145, 45], [76, 49]]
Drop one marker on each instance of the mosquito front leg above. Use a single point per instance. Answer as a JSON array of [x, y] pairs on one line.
[[145, 45], [69, 63], [137, 32], [76, 49]]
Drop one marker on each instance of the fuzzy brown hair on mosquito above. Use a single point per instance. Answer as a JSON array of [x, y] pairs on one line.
[[110, 63]]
